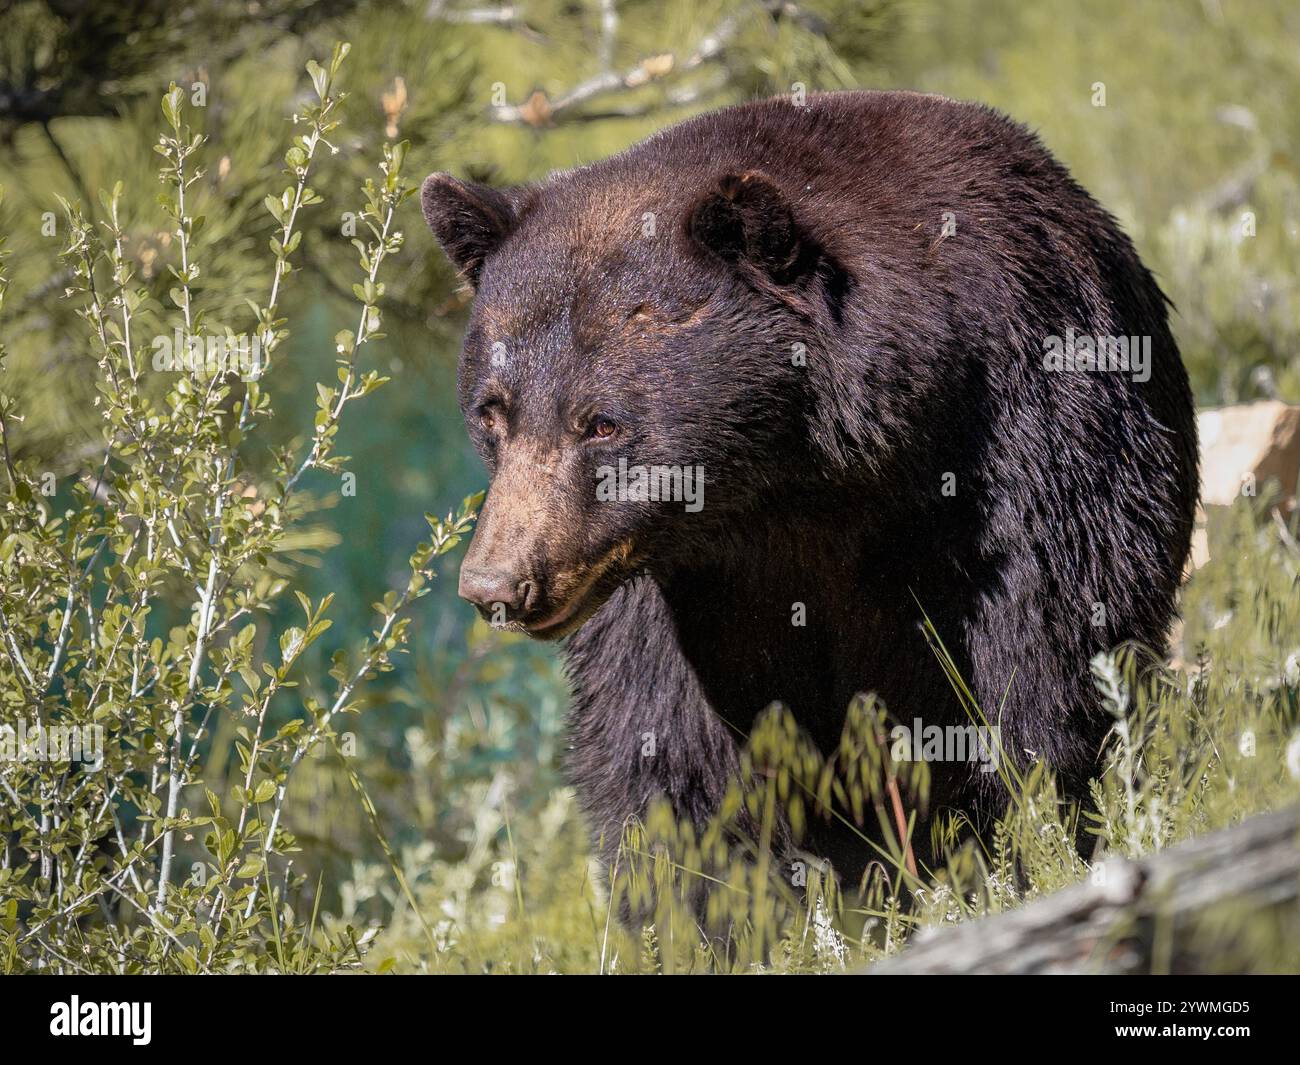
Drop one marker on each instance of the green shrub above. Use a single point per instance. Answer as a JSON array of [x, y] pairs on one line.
[[135, 619]]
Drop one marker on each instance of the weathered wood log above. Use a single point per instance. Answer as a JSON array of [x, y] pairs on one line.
[[1126, 913]]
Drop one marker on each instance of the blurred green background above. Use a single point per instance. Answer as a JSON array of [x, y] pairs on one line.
[[1179, 115]]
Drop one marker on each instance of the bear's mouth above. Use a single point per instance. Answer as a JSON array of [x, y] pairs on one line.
[[591, 593], [568, 619]]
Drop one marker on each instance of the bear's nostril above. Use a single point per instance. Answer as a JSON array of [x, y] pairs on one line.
[[488, 588]]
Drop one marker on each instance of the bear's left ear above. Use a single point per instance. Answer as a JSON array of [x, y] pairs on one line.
[[469, 220], [746, 220]]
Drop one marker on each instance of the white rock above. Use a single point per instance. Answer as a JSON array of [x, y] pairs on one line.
[[1242, 447]]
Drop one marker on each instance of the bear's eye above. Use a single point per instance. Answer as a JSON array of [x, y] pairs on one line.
[[602, 428], [489, 417]]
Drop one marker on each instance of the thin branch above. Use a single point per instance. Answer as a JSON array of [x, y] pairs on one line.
[[540, 110]]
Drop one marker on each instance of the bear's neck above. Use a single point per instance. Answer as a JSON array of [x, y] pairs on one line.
[[787, 620]]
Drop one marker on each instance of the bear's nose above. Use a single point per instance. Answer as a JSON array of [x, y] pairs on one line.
[[501, 596]]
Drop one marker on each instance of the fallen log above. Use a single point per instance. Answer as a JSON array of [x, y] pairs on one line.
[[1130, 916]]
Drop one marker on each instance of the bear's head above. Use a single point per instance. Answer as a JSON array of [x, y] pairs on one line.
[[631, 376]]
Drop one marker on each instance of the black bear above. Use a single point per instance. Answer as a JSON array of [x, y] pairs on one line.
[[759, 391]]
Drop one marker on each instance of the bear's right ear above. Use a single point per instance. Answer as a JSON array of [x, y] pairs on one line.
[[469, 220], [746, 220]]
